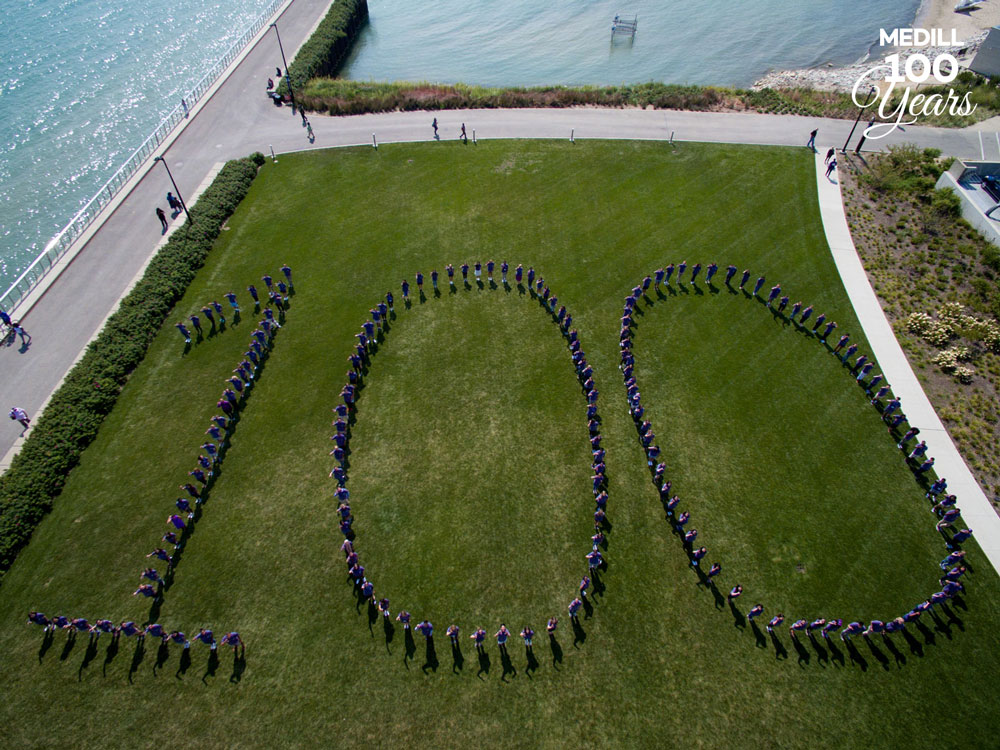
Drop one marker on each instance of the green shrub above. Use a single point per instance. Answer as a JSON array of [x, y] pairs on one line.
[[323, 52], [75, 412]]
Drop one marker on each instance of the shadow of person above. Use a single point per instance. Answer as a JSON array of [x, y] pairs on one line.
[[88, 656], [916, 648], [372, 616], [896, 653], [579, 634], [437, 292], [940, 625], [529, 655], [720, 600], [109, 655], [759, 640], [390, 631], [422, 296], [213, 665], [457, 659], [506, 664], [821, 653], [185, 663], [836, 655], [409, 647], [588, 608], [780, 652], [162, 655], [407, 304], [137, 656], [803, 654], [880, 657], [927, 633], [739, 620], [239, 664], [856, 657], [953, 618], [484, 662], [47, 640], [596, 582], [430, 656], [520, 289]]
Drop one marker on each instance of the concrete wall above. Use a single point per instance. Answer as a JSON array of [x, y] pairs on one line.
[[988, 226]]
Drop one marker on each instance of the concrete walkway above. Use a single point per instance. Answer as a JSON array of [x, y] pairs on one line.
[[977, 512]]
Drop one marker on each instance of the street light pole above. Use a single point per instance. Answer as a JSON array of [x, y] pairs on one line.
[[288, 77], [864, 106], [176, 190]]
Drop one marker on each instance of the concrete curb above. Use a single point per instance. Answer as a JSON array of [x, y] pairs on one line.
[[977, 511]]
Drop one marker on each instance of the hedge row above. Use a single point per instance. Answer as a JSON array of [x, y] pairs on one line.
[[342, 97], [323, 52], [87, 395]]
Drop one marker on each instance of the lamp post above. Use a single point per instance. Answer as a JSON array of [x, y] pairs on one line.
[[288, 76], [183, 205], [864, 106]]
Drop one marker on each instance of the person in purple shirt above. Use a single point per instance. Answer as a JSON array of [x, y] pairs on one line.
[[489, 271], [420, 282], [795, 310], [864, 371], [697, 555], [828, 330], [196, 323], [404, 617], [830, 627], [958, 537], [775, 622], [690, 536], [367, 589], [155, 630], [574, 608], [695, 270], [755, 611], [773, 294], [207, 312], [859, 362], [184, 332], [179, 638], [584, 585], [383, 607], [527, 634], [841, 344], [758, 285], [797, 626], [730, 272], [805, 315], [519, 273], [151, 574], [478, 637], [177, 522], [875, 627], [145, 590], [129, 629], [712, 269], [231, 298], [218, 310], [452, 631], [253, 294], [233, 639], [434, 280], [206, 637], [714, 570], [425, 629], [37, 618], [503, 273], [406, 289], [817, 624], [104, 626], [389, 299]]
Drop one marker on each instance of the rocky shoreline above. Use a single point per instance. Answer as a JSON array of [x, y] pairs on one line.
[[844, 78]]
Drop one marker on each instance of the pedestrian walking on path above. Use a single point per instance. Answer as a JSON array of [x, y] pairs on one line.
[[829, 155], [812, 140], [435, 126], [21, 416], [830, 167], [463, 136], [162, 216], [184, 104], [19, 331]]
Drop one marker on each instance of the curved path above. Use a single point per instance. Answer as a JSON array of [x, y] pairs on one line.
[[71, 305], [977, 512]]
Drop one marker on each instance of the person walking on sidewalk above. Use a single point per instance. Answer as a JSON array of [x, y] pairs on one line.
[[812, 140], [162, 216], [830, 167], [21, 416], [829, 155], [435, 126]]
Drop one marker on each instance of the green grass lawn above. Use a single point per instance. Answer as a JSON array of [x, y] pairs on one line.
[[470, 481]]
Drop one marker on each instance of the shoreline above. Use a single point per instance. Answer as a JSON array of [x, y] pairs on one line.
[[970, 29]]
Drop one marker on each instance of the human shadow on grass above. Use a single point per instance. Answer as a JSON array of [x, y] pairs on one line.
[[239, 665], [48, 637], [162, 656], [856, 657], [431, 662], [822, 656], [896, 653], [506, 664], [372, 616], [88, 656], [876, 652], [457, 659], [588, 608], [780, 652], [109, 654], [802, 652], [759, 640], [739, 619], [579, 634], [137, 656], [184, 664], [212, 667], [557, 652], [916, 647], [390, 632], [532, 662], [409, 647], [598, 584], [484, 663]]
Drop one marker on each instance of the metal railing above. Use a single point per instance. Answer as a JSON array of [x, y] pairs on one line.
[[59, 244]]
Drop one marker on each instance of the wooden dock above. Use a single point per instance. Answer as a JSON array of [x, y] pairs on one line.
[[624, 27]]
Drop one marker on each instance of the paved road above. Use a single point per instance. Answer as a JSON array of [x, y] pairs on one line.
[[239, 119]]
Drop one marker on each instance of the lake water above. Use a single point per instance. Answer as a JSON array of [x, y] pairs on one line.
[[523, 43]]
